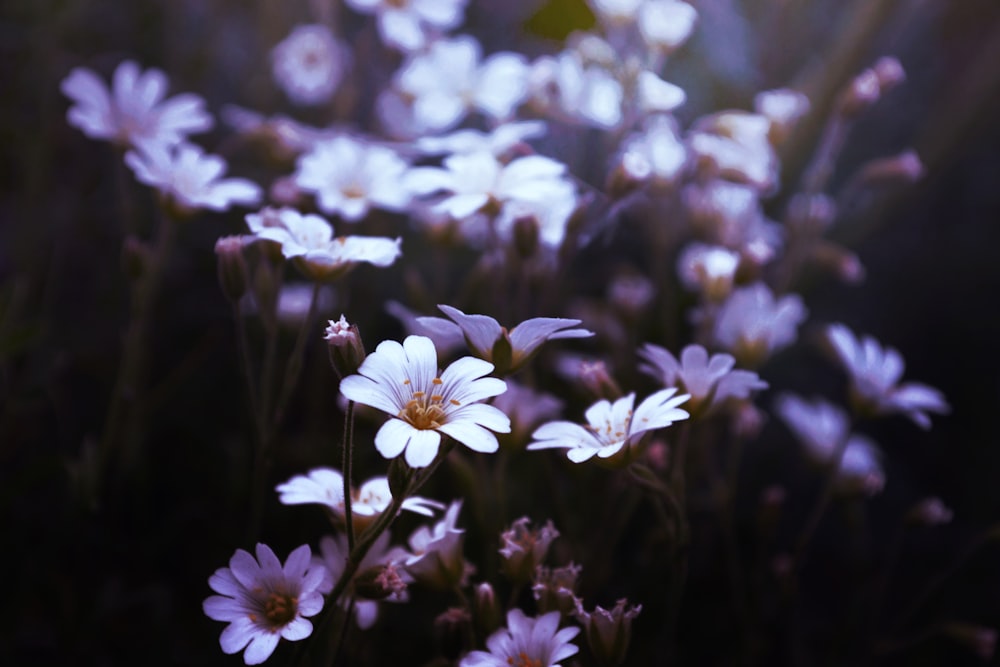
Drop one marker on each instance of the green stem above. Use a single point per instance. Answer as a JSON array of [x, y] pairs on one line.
[[347, 456], [295, 362]]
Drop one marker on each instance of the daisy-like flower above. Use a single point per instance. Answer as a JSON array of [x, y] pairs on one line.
[[325, 486], [404, 24], [611, 427], [507, 350], [333, 558], [309, 64], [526, 642], [875, 373], [308, 240], [264, 601], [437, 559], [709, 381], [752, 324], [822, 428], [134, 112], [350, 176], [403, 381], [191, 178]]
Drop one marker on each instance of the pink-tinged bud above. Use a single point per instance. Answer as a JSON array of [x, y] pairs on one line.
[[232, 267], [609, 631], [903, 169], [840, 261], [486, 609], [524, 549], [555, 589], [379, 582], [595, 378], [345, 347], [890, 72], [930, 512], [861, 93]]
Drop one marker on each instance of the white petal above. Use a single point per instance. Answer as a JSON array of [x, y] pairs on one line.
[[392, 438], [473, 436], [422, 448], [261, 647]]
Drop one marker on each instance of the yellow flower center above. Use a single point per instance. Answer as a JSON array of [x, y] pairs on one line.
[[426, 410], [523, 660]]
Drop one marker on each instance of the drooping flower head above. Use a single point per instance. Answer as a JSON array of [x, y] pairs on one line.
[[263, 601], [134, 112], [526, 642], [403, 381], [611, 427]]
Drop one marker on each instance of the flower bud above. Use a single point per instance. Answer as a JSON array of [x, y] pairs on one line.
[[486, 609], [232, 267], [608, 631], [344, 344], [555, 589], [450, 630], [524, 549], [595, 378], [902, 169]]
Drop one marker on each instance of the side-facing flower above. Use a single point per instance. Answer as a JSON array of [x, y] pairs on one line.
[[334, 552], [608, 631], [325, 486], [403, 381], [192, 179], [875, 373], [263, 601], [753, 324], [711, 381], [308, 240], [534, 642], [524, 549], [134, 112], [437, 559], [507, 350], [611, 427]]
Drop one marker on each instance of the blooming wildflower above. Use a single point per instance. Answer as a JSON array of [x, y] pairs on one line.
[[564, 85], [349, 176], [325, 486], [263, 601], [524, 549], [334, 552], [437, 552], [191, 178], [709, 381], [404, 24], [709, 270], [608, 631], [496, 142], [309, 64], [752, 324], [402, 380], [875, 373], [666, 24], [445, 335], [656, 154], [611, 427], [822, 428], [509, 350], [447, 81], [308, 240], [526, 642], [735, 146], [134, 112]]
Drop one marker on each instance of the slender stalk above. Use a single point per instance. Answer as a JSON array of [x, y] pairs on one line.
[[348, 452], [295, 361]]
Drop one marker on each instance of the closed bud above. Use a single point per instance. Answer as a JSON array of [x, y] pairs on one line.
[[486, 609], [450, 630], [608, 631], [889, 71], [902, 169], [232, 267], [861, 93], [345, 347]]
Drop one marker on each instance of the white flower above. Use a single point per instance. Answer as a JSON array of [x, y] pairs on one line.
[[437, 552], [710, 381], [334, 552], [308, 239], [263, 601], [752, 324], [735, 145], [822, 428], [656, 95], [349, 176], [616, 11], [534, 642], [875, 373], [508, 350], [496, 142], [309, 64], [656, 154], [134, 112], [190, 177], [666, 24], [587, 93], [611, 427], [325, 486], [708, 269], [404, 23], [447, 81], [403, 381]]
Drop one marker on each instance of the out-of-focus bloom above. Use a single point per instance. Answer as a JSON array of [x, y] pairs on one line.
[[656, 155], [404, 24], [308, 240], [822, 428], [615, 12], [708, 270], [507, 350], [710, 381], [611, 427], [325, 486], [526, 408], [783, 107], [403, 381], [448, 80], [608, 631], [134, 112], [350, 176], [566, 87], [752, 324], [334, 552], [524, 549], [526, 641], [437, 559], [875, 373], [443, 333], [930, 512], [555, 589], [263, 601], [189, 177], [309, 64], [497, 142], [734, 145], [295, 300], [666, 24]]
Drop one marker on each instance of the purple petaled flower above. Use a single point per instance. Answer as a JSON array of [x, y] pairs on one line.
[[526, 642], [753, 324], [263, 601]]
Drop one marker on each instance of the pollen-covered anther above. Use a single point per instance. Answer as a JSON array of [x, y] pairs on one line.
[[280, 608]]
